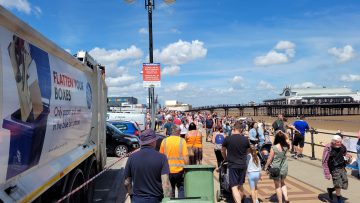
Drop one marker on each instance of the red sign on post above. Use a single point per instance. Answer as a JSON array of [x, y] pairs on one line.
[[151, 74]]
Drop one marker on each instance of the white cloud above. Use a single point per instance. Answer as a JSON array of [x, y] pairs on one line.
[[132, 89], [170, 70], [20, 5], [115, 55], [143, 31], [237, 79], [224, 90], [343, 54], [237, 82], [264, 86], [136, 63], [180, 52], [181, 86], [284, 45], [23, 6], [68, 51], [282, 52], [122, 80], [350, 78], [271, 58], [305, 85], [115, 71]]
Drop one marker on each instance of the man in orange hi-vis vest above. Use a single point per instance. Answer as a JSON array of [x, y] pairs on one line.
[[175, 149]]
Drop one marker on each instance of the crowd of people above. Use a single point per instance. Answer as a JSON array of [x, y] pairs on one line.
[[244, 144]]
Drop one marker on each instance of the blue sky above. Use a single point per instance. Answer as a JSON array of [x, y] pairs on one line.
[[211, 52]]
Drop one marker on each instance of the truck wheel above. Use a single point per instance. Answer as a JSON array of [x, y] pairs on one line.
[[120, 150], [76, 179], [90, 171]]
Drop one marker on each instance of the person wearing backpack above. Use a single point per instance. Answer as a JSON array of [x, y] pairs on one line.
[[218, 140]]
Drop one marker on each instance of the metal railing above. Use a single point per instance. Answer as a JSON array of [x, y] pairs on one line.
[[313, 144]]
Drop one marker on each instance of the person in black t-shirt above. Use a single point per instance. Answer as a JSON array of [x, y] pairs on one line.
[[234, 150], [147, 172]]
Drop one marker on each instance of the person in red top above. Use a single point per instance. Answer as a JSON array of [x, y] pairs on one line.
[[177, 121]]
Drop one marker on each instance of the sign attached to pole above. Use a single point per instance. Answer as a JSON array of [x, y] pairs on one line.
[[151, 75]]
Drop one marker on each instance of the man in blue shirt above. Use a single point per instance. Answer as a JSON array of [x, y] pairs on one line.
[[256, 135], [299, 139], [147, 172]]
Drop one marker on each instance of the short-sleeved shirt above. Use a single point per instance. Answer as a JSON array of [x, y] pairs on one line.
[[145, 168], [175, 153], [279, 125], [177, 121], [168, 127], [209, 123], [160, 117], [301, 126], [237, 147]]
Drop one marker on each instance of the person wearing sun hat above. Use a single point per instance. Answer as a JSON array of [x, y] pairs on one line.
[[147, 172]]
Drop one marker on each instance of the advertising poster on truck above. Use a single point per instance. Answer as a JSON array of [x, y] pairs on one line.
[[45, 106]]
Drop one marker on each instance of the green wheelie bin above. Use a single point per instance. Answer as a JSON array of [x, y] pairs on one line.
[[199, 181]]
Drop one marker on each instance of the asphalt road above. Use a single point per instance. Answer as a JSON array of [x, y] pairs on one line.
[[109, 186]]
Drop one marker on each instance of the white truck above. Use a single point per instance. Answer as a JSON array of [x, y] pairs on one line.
[[52, 117]]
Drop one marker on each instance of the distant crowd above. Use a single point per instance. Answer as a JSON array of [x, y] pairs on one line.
[[242, 146]]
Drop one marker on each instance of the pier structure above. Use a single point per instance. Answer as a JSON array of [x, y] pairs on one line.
[[289, 110]]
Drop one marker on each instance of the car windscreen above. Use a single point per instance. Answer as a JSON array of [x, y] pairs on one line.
[[120, 126], [115, 129]]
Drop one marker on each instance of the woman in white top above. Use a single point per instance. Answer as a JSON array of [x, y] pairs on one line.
[[184, 128], [254, 172]]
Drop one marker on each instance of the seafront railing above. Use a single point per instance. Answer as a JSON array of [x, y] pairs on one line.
[[348, 140]]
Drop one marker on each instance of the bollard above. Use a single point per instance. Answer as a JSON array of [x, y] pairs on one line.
[[312, 145]]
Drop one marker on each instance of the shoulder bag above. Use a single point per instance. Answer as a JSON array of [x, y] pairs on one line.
[[275, 172]]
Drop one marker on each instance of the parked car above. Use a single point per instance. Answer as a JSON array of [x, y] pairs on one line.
[[127, 127], [118, 142], [139, 118]]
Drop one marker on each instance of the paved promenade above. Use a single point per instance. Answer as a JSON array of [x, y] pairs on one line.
[[305, 181]]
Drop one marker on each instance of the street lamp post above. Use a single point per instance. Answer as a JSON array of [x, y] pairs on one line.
[[150, 6]]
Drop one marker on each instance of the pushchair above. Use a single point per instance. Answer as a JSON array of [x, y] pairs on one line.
[[262, 156], [264, 149], [225, 190]]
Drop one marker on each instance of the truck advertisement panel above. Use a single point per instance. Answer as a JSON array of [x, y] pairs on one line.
[[45, 106]]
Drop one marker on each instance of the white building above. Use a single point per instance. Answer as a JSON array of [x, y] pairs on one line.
[[315, 96], [174, 105]]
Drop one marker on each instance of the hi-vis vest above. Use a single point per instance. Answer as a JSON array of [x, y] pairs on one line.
[[173, 148]]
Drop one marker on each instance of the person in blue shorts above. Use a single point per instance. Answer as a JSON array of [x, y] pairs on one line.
[[235, 149], [299, 139]]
